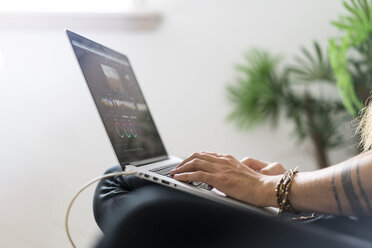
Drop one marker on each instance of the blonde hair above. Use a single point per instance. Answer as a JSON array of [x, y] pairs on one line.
[[365, 127]]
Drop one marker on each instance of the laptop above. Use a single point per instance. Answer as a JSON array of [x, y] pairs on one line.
[[128, 121]]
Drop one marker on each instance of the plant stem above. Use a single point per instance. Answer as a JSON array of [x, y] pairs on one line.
[[316, 137]]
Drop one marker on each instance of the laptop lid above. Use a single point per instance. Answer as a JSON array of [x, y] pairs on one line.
[[119, 101]]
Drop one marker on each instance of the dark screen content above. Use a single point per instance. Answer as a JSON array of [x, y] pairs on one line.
[[120, 103]]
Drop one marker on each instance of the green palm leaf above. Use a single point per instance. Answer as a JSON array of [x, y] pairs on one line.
[[312, 68]]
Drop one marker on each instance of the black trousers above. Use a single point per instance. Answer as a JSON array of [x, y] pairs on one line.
[[133, 212]]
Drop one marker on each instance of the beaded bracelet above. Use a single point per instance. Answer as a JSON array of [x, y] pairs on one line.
[[282, 191]]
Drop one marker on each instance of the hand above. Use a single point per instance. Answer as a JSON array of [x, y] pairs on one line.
[[230, 176], [263, 167]]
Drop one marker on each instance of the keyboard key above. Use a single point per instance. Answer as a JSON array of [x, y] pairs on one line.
[[196, 183], [205, 186], [165, 170]]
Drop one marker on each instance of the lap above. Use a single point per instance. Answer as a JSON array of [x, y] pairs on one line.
[[134, 212]]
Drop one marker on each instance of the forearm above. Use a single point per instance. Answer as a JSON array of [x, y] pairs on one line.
[[344, 189]]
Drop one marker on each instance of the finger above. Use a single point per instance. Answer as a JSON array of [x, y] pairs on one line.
[[196, 164], [199, 155], [225, 158], [197, 176], [273, 169], [253, 163], [214, 154], [230, 157]]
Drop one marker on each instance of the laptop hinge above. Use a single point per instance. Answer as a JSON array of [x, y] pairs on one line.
[[123, 166]]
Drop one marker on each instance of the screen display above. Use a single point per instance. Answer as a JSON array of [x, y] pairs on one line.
[[119, 100]]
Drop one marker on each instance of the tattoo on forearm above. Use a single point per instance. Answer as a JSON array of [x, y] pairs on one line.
[[334, 189], [362, 189], [351, 196]]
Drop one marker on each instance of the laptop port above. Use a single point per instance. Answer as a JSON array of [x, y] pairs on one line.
[[165, 182], [147, 176], [155, 178]]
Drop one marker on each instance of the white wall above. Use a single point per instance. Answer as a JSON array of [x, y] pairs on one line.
[[52, 140]]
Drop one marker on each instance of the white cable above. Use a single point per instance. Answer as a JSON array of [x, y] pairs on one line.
[[81, 190]]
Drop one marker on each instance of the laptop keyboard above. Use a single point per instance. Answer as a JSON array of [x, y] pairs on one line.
[[165, 171]]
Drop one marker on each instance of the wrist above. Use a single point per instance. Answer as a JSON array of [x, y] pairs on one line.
[[301, 194], [268, 193]]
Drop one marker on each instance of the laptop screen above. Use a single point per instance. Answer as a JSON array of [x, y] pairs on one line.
[[119, 101]]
